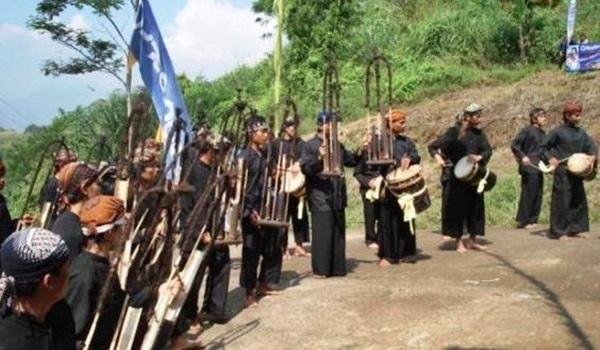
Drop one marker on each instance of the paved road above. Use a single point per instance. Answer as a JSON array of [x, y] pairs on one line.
[[525, 292]]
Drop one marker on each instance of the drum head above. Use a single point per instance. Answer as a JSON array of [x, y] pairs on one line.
[[578, 163], [294, 182], [399, 175], [463, 168]]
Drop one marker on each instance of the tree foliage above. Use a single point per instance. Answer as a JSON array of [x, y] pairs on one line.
[[93, 54]]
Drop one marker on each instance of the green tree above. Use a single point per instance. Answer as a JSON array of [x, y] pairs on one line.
[[93, 53]]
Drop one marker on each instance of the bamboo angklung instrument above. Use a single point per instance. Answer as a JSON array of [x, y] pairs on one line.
[[332, 162], [274, 200], [380, 149]]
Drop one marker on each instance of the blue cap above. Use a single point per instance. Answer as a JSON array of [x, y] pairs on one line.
[[324, 117]]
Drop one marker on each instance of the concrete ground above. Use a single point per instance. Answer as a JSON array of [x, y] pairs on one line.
[[526, 291]]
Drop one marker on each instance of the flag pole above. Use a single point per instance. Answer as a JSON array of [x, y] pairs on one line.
[[277, 60]]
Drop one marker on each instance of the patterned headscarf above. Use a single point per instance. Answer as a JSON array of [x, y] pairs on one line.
[[29, 254], [73, 175]]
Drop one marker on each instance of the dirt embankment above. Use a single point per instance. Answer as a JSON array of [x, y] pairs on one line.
[[507, 107]]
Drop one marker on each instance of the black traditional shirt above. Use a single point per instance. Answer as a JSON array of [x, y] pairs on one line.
[[565, 140], [325, 193], [527, 143], [198, 178], [18, 332], [255, 163], [291, 148], [68, 226], [363, 173], [473, 141]]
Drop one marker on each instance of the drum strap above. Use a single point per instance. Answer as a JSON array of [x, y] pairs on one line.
[[301, 202], [373, 193], [483, 182], [406, 201]]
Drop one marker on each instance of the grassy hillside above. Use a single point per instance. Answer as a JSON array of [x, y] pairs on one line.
[[507, 108]]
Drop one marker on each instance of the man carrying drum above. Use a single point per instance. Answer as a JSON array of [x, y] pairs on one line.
[[465, 201], [568, 208], [526, 148], [397, 241], [445, 165], [290, 145]]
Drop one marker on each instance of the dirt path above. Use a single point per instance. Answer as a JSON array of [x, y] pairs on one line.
[[525, 292]]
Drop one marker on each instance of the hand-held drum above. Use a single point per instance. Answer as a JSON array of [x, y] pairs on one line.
[[579, 164], [474, 174], [294, 182], [409, 182]]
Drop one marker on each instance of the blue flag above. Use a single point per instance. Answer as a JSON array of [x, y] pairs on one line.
[[157, 72]]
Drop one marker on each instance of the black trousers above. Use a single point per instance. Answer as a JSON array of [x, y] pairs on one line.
[[265, 243], [329, 243], [300, 226], [396, 240], [217, 281], [371, 217], [568, 208], [465, 207], [530, 202]]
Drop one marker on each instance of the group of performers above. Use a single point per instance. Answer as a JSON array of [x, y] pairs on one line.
[[54, 289]]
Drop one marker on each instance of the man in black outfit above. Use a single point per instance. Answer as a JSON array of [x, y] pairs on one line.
[[259, 241], [291, 146], [50, 192], [35, 276], [466, 206], [78, 183], [568, 208], [526, 148], [364, 173], [219, 261], [327, 203], [443, 162], [102, 218], [397, 241]]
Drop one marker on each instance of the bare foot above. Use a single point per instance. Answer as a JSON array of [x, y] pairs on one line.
[[265, 290], [564, 238], [460, 246], [317, 276], [446, 238], [373, 246], [250, 301], [300, 251], [471, 243], [195, 329], [531, 226], [183, 341], [384, 263], [581, 235], [286, 255]]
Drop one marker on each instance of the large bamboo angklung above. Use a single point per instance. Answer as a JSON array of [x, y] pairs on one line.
[[380, 149], [332, 162]]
